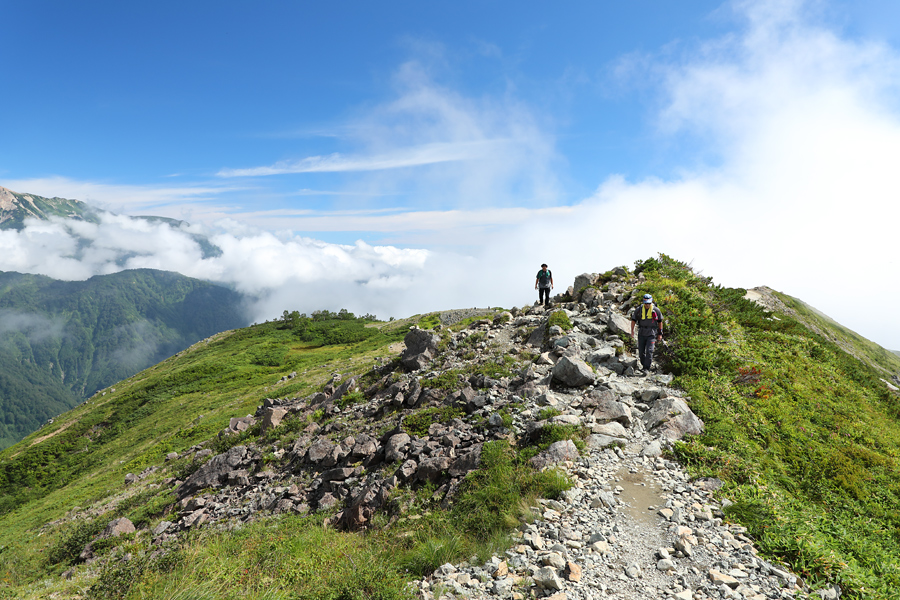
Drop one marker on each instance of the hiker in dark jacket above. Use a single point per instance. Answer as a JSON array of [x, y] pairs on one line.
[[543, 283], [649, 320]]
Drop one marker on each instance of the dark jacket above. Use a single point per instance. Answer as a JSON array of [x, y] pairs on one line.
[[649, 322]]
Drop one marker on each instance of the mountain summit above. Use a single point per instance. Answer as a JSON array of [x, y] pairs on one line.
[[16, 207]]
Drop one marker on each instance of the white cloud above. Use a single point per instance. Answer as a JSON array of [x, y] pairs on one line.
[[427, 154]]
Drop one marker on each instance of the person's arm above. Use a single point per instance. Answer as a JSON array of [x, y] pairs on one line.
[[632, 325], [551, 282], [536, 279], [659, 335]]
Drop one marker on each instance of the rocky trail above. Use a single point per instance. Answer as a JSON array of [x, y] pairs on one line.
[[633, 526]]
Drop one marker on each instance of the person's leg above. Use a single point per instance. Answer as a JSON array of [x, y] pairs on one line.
[[643, 351]]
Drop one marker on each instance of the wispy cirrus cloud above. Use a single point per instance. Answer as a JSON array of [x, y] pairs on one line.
[[425, 154]]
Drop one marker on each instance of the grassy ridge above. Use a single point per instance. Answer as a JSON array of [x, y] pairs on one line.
[[806, 436], [82, 458]]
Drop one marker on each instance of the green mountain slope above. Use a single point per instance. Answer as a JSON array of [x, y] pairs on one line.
[[806, 435], [62, 341], [821, 324]]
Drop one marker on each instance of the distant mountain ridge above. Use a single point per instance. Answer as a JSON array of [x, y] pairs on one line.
[[61, 341], [16, 207]]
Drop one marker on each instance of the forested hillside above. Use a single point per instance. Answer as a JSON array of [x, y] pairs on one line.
[[62, 341]]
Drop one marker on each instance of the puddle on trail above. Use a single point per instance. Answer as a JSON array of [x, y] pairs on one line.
[[640, 494]]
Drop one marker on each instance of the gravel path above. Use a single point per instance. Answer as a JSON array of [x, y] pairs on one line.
[[633, 526]]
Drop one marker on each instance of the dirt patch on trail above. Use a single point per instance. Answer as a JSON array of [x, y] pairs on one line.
[[641, 496], [50, 435]]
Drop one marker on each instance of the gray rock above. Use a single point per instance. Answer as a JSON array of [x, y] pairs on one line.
[[557, 452], [421, 348], [619, 324], [633, 571], [566, 420], [432, 469], [601, 355], [118, 527], [612, 429], [466, 462], [272, 418], [672, 419], [407, 470], [602, 404], [239, 424], [339, 474], [394, 449], [598, 440], [584, 280], [592, 297], [215, 472], [161, 527], [548, 578], [364, 447], [573, 372], [320, 450]]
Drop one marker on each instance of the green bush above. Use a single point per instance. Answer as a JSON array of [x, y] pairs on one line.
[[418, 423], [67, 549], [560, 318], [548, 413]]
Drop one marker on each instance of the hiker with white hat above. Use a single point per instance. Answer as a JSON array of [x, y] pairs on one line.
[[649, 320]]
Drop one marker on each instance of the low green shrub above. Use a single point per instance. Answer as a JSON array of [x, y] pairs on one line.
[[351, 398], [73, 541], [559, 318], [548, 413], [418, 423]]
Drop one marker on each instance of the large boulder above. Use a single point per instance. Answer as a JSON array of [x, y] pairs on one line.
[[573, 372], [584, 280], [605, 407], [215, 472], [421, 348], [619, 324], [118, 527], [396, 446], [672, 419], [536, 339], [272, 418], [556, 453], [592, 297]]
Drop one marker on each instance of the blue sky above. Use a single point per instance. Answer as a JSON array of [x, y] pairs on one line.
[[411, 156]]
